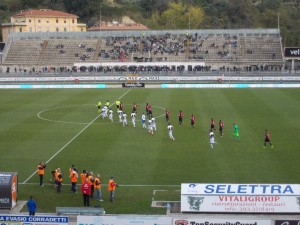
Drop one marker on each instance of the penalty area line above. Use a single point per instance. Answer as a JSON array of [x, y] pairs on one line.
[[69, 142]]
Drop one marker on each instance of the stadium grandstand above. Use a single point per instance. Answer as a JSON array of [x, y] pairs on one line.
[[196, 50]]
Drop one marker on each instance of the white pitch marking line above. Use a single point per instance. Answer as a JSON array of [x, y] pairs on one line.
[[70, 122], [122, 185], [73, 139]]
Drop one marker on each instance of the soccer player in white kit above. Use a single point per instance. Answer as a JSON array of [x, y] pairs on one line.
[[153, 124], [211, 139], [170, 130], [120, 113], [103, 110], [124, 119], [133, 116], [144, 120], [110, 115], [150, 128]]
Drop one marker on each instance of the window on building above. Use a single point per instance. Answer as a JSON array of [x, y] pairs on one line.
[[56, 20], [39, 20], [65, 29], [47, 20], [65, 20], [20, 29], [57, 29], [29, 20], [81, 29], [73, 21]]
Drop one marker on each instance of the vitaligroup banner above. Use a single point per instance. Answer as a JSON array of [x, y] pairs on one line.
[[240, 198]]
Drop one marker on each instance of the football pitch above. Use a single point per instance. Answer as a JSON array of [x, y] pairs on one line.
[[62, 127]]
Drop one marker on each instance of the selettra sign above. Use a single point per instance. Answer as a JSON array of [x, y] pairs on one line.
[[242, 198]]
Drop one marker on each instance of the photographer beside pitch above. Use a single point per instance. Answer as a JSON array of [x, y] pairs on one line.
[[41, 172]]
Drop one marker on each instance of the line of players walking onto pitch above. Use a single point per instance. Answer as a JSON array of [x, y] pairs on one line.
[[235, 133], [106, 111]]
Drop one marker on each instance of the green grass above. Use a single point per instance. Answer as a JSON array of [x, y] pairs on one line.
[[143, 163]]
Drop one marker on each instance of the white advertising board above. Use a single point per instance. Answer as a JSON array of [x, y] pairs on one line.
[[206, 221], [240, 198], [123, 220], [10, 219], [240, 189], [240, 204]]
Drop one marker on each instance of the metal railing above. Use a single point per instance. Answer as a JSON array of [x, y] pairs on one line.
[[97, 34]]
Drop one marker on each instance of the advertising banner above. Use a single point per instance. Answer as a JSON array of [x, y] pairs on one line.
[[240, 204], [199, 221], [133, 85], [240, 198], [8, 190], [123, 220], [33, 220], [240, 189], [287, 222], [292, 52]]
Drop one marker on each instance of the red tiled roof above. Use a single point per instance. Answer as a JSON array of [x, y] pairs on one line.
[[44, 13], [116, 27]]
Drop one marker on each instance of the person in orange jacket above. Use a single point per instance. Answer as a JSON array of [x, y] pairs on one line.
[[91, 180], [111, 188], [74, 178], [83, 176], [97, 185], [41, 172], [58, 179]]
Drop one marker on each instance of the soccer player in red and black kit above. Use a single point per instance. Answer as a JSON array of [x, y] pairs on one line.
[[221, 126], [134, 107], [193, 118], [121, 106], [180, 117], [150, 111], [267, 139], [147, 109], [167, 115], [212, 124]]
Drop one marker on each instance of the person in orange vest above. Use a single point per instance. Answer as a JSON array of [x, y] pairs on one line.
[[71, 169], [97, 184], [111, 188], [83, 176], [58, 180], [91, 181], [74, 177], [54, 175], [86, 192], [41, 172]]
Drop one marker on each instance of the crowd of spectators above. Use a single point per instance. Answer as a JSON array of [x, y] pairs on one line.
[[163, 69]]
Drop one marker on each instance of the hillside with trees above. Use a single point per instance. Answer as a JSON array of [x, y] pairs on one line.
[[178, 14]]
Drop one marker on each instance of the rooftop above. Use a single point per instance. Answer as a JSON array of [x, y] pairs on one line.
[[118, 26], [44, 13]]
